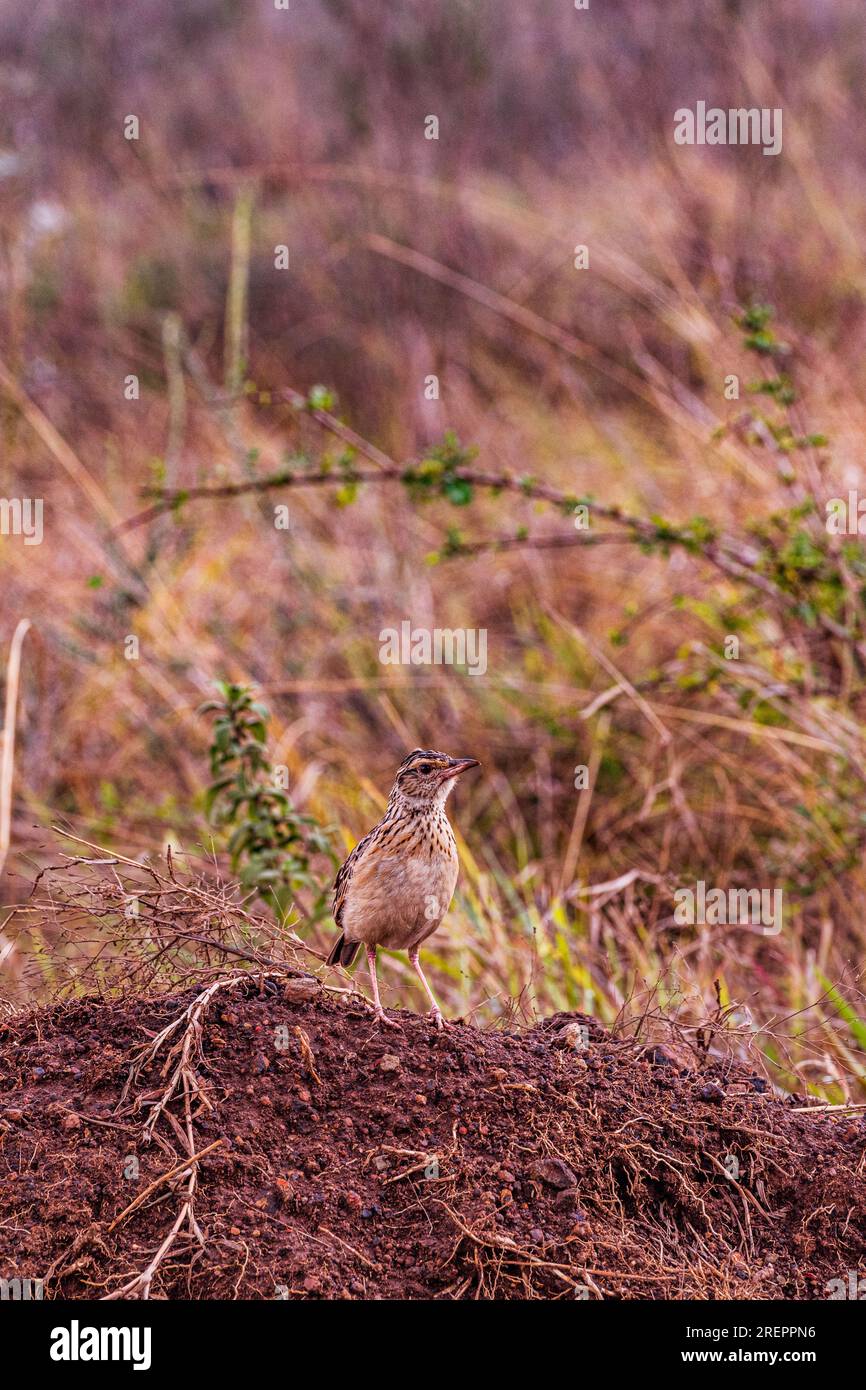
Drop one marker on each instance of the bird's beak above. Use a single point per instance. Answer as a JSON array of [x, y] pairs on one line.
[[456, 766]]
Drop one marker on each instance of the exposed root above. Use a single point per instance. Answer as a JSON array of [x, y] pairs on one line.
[[184, 1065]]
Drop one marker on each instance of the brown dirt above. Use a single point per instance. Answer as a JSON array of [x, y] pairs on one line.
[[558, 1169]]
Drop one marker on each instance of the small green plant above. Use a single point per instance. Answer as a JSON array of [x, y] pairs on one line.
[[274, 849], [440, 473]]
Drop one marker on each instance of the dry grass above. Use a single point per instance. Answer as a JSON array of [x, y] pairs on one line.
[[453, 257]]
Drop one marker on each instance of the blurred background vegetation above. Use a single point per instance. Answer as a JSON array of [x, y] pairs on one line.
[[409, 257]]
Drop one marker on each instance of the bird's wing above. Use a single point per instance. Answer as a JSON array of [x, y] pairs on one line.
[[344, 877]]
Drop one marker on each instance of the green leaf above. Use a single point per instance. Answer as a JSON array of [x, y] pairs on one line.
[[458, 491]]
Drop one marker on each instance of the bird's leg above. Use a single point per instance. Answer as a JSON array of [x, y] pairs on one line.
[[380, 1012], [434, 1007]]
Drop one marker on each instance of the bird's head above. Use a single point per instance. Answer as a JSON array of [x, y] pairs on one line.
[[424, 778]]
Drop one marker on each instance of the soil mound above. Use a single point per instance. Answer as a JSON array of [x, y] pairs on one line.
[[345, 1160]]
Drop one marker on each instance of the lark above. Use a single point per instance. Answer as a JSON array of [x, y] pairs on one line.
[[395, 886]]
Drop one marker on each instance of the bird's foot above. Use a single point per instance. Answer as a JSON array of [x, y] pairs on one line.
[[438, 1019], [382, 1017]]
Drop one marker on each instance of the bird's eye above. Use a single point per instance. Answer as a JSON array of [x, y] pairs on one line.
[[425, 768]]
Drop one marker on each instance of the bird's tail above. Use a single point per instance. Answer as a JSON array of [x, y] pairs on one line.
[[343, 952]]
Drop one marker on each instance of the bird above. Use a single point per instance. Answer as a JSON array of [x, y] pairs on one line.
[[396, 885]]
